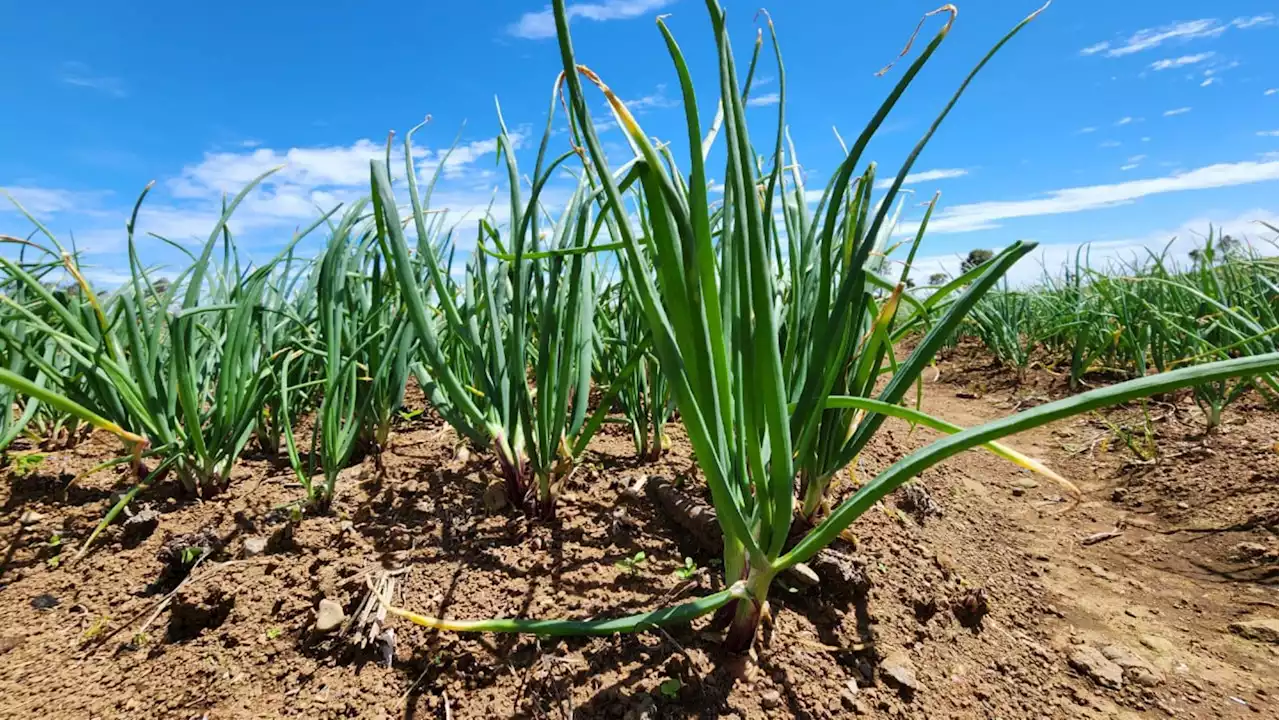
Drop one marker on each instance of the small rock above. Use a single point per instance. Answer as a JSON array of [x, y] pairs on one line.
[[898, 668], [771, 699], [45, 602], [1263, 630], [329, 615], [1135, 668], [1157, 643], [1026, 483], [254, 546], [1183, 506], [463, 455], [1019, 492], [1119, 494], [1094, 664], [495, 496], [29, 518], [1241, 550]]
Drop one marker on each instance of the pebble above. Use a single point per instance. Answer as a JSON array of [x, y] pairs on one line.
[[898, 667], [1183, 506], [254, 546], [1026, 483], [1119, 494], [29, 518], [45, 602], [771, 699], [329, 615], [1094, 664]]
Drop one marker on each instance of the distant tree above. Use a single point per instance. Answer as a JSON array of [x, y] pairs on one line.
[[976, 258], [910, 283], [938, 279], [1229, 246]]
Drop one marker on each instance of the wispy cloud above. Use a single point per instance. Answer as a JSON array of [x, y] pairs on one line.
[[986, 215], [80, 75], [654, 100], [763, 100], [41, 201], [1208, 81], [1109, 144], [1124, 120], [925, 176], [1086, 130], [1148, 38], [541, 25], [1268, 133], [1176, 111], [1182, 61], [1103, 250], [1271, 91], [1248, 22]]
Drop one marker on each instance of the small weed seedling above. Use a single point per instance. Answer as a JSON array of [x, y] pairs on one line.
[[24, 465], [631, 565], [670, 688], [688, 570]]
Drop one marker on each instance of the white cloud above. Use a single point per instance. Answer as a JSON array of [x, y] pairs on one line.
[[925, 176], [40, 201], [762, 100], [540, 25], [1148, 38], [1129, 166], [1103, 251], [185, 208], [656, 100], [1109, 144], [1137, 158], [80, 75], [1268, 133], [1124, 120], [1181, 61], [1176, 111], [1085, 130], [1248, 22], [985, 215], [1271, 91], [1208, 81]]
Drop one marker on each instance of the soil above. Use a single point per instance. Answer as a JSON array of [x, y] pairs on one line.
[[993, 593]]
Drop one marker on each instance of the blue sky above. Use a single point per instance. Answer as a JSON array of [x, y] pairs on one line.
[[1119, 124]]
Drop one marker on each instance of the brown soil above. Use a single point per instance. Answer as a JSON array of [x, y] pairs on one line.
[[996, 603]]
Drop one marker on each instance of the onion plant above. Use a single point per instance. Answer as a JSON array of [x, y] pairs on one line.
[[712, 304], [508, 364], [627, 363], [363, 350], [176, 370]]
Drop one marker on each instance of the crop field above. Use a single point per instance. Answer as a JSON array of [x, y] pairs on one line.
[[649, 452]]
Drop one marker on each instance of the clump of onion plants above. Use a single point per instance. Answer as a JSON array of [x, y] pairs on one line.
[[708, 284]]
